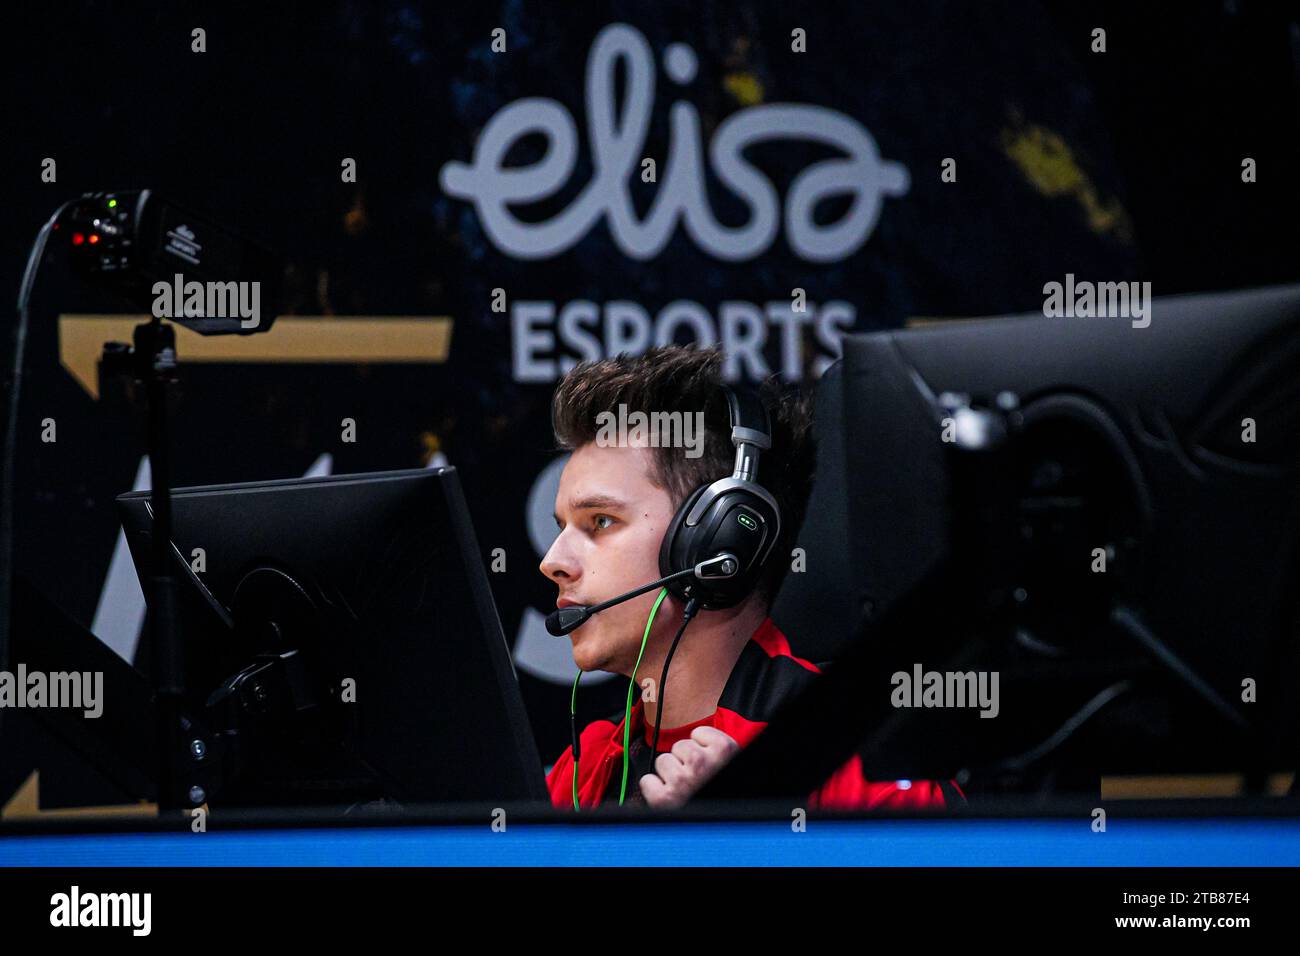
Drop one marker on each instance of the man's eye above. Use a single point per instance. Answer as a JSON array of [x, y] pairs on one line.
[[599, 518]]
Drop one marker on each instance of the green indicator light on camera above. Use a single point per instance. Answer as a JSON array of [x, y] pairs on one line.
[[747, 522]]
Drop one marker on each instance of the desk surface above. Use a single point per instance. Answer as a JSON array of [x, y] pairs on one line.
[[1044, 842]]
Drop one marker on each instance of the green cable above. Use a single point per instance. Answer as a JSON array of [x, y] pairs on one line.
[[627, 717]]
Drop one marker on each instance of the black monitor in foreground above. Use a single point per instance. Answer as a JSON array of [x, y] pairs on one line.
[[1104, 517], [341, 644]]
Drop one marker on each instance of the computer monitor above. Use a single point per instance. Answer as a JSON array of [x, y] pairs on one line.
[[1131, 563], [341, 644]]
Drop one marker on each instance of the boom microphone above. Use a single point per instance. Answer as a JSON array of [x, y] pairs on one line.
[[566, 619]]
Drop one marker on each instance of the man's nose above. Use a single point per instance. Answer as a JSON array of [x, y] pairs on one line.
[[558, 563]]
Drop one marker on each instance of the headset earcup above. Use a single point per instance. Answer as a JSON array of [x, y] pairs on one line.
[[720, 528], [676, 543]]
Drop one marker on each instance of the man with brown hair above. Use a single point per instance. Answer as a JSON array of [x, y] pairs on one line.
[[733, 667]]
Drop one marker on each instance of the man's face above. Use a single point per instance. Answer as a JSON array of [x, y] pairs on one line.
[[612, 520]]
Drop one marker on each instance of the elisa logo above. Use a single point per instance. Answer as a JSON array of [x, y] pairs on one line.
[[617, 139]]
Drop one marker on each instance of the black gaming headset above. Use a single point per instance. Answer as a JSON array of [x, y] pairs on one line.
[[733, 516]]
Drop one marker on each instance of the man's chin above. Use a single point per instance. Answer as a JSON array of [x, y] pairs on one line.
[[588, 653]]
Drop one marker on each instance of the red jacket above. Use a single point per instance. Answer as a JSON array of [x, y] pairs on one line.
[[764, 676]]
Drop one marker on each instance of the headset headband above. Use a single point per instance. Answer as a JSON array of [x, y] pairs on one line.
[[751, 430]]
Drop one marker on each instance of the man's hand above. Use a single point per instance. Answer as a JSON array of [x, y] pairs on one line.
[[684, 769]]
